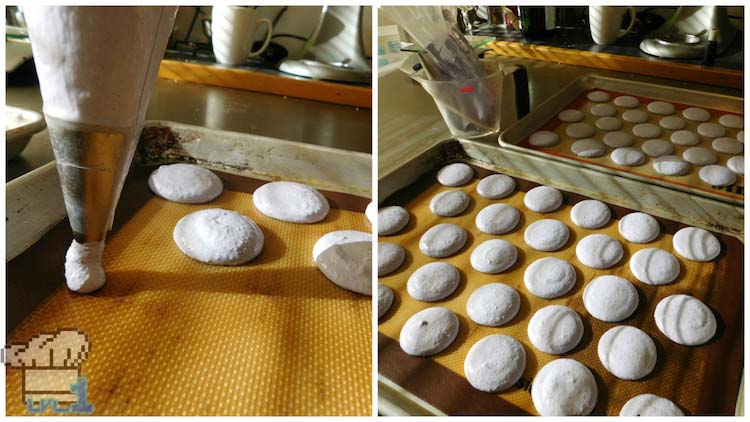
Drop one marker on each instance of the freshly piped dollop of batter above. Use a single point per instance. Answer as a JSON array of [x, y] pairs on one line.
[[83, 266]]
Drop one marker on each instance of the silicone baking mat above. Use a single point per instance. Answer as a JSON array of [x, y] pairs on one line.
[[172, 336], [701, 380], [691, 180]]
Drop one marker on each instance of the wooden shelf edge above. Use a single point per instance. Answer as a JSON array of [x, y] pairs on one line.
[[309, 89], [670, 70]]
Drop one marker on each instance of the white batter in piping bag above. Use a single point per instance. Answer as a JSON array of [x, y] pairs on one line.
[[97, 67]]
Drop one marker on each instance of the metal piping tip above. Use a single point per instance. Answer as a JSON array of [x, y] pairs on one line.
[[92, 162]]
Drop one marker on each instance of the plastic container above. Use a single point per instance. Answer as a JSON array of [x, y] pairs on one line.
[[470, 107]]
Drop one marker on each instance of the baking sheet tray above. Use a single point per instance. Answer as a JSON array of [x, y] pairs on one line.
[[171, 336], [574, 96], [701, 380]]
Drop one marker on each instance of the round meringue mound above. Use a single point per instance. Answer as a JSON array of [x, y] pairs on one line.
[[83, 266]]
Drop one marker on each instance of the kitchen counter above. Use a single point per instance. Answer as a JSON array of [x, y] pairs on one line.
[[292, 119], [409, 122]]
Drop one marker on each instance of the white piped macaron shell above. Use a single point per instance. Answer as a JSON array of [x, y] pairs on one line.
[[496, 186], [493, 304], [493, 256], [672, 123], [564, 387], [627, 101], [639, 227], [627, 352], [737, 164], [685, 320], [543, 199], [671, 165], [546, 235], [495, 363], [650, 405], [429, 331], [449, 203], [570, 116], [185, 183], [610, 298], [646, 130], [661, 107], [392, 220], [543, 138], [716, 175], [555, 329], [580, 130], [608, 123], [291, 202], [627, 156], [497, 219], [699, 156], [711, 130], [442, 240], [685, 137], [371, 212], [696, 114], [433, 281], [390, 257], [602, 110], [455, 174], [549, 277], [654, 266], [590, 214], [345, 258], [635, 116], [726, 145], [588, 148], [598, 96], [731, 121], [657, 148], [599, 251], [696, 244], [385, 299], [618, 139], [218, 237]]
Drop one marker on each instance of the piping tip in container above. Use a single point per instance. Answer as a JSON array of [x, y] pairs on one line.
[[470, 107], [92, 162]]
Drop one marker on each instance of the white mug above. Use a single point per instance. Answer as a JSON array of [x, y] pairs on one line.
[[605, 23], [232, 32]]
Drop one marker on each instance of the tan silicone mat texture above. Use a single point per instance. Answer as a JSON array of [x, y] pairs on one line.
[[172, 336], [679, 369], [691, 180]]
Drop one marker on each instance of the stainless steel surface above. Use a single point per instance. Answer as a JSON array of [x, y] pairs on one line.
[[18, 137], [335, 50], [686, 34], [297, 120], [92, 162], [512, 137], [256, 156], [410, 123]]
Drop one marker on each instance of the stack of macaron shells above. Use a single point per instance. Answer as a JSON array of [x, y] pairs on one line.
[[496, 362], [628, 131]]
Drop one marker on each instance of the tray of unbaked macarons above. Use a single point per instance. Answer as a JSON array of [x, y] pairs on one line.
[[221, 236], [501, 296], [679, 138]]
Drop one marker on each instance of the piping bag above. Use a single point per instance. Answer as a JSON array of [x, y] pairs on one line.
[[97, 67]]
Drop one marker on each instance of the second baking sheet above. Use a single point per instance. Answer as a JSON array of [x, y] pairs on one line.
[[701, 380]]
